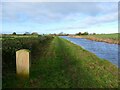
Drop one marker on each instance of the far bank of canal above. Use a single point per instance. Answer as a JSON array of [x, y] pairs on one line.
[[103, 50]]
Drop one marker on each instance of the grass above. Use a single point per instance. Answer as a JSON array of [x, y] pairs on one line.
[[109, 38], [63, 64], [106, 36]]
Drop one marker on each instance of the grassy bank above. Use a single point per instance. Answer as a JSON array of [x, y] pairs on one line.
[[63, 64], [109, 38]]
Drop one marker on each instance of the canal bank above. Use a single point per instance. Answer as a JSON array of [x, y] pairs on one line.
[[103, 50], [108, 38], [67, 65]]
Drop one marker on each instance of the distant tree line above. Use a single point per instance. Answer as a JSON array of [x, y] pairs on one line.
[[26, 33], [59, 34], [85, 33], [80, 33]]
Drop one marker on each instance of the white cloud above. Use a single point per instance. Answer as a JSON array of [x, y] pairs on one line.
[[54, 11], [101, 19], [72, 15]]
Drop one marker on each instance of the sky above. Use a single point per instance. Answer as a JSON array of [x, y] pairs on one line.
[[56, 17]]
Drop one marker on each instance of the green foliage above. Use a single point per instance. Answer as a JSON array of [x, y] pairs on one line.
[[62, 64], [79, 33], [34, 33], [105, 36], [11, 45], [85, 33], [109, 38], [14, 33]]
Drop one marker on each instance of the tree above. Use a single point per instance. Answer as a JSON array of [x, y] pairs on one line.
[[14, 33], [61, 33], [34, 33], [79, 33], [26, 33], [85, 33]]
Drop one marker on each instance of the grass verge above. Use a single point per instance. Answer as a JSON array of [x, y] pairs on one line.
[[108, 38], [63, 64]]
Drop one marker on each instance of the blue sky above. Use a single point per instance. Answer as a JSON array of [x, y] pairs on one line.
[[56, 17]]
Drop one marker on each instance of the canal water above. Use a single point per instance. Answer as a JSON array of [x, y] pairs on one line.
[[101, 49]]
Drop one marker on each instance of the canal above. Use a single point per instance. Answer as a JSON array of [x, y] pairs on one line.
[[101, 49]]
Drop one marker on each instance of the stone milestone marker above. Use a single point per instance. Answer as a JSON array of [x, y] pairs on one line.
[[22, 62]]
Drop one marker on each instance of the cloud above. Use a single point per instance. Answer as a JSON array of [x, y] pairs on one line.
[[46, 12], [71, 15], [111, 17]]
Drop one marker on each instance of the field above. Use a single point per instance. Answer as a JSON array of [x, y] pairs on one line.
[[109, 38], [57, 63]]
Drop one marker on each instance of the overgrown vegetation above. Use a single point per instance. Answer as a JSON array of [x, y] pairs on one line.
[[62, 64], [11, 44], [109, 38], [106, 36], [85, 33]]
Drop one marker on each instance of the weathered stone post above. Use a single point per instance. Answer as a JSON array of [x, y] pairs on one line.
[[23, 63]]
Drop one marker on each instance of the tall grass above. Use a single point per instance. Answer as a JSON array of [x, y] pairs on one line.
[[63, 64], [109, 38]]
